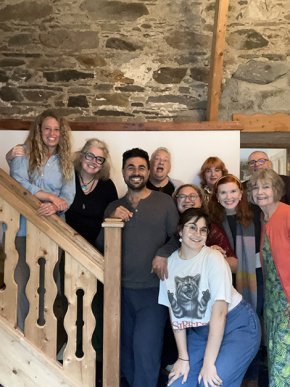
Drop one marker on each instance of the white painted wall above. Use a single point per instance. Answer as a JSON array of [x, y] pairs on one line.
[[188, 149]]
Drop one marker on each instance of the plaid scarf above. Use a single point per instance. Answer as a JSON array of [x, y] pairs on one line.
[[246, 282]]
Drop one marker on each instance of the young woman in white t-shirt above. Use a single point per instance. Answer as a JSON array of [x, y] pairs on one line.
[[217, 333]]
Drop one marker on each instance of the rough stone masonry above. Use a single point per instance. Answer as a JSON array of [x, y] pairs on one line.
[[140, 60]]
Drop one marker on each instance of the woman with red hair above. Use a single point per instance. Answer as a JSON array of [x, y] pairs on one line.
[[211, 170], [229, 208]]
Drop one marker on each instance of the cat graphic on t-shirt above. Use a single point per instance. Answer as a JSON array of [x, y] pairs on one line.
[[186, 303]]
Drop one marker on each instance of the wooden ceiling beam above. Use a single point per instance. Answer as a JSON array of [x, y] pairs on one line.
[[278, 122], [17, 124]]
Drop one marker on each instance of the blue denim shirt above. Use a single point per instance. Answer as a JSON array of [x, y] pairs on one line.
[[48, 180]]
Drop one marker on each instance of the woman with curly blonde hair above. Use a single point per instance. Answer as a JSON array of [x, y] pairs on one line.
[[39, 150], [43, 164], [44, 167]]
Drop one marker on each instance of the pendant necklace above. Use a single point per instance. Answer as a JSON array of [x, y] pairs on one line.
[[84, 186]]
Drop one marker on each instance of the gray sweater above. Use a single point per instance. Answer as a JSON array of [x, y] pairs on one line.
[[154, 221]]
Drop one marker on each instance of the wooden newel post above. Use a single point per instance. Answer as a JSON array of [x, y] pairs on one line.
[[112, 300]]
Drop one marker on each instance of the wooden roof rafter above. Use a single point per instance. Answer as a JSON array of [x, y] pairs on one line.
[[18, 124], [217, 59]]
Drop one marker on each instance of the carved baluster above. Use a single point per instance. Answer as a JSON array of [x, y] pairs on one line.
[[76, 278], [41, 324], [8, 296]]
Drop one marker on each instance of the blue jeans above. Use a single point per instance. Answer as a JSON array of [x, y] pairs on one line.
[[240, 344], [142, 328]]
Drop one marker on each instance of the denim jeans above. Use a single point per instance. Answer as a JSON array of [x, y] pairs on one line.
[[142, 328], [240, 344]]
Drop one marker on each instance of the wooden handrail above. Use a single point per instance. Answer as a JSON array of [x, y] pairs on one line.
[[83, 266], [67, 239]]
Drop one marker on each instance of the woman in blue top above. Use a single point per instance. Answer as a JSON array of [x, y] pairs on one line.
[[43, 166]]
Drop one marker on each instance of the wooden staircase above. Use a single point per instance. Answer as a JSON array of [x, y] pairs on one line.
[[30, 358]]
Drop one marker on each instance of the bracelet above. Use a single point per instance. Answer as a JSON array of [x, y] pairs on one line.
[[183, 359]]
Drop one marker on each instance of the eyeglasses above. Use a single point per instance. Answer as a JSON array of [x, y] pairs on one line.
[[252, 163], [91, 157], [203, 231], [191, 197]]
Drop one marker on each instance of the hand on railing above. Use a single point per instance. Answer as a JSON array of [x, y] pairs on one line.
[[122, 213], [60, 203], [47, 209], [51, 203]]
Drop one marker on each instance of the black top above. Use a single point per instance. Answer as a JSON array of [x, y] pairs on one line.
[[168, 188], [232, 220], [286, 197], [86, 213]]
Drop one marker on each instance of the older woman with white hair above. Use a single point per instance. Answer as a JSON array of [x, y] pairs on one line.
[[94, 189], [266, 188]]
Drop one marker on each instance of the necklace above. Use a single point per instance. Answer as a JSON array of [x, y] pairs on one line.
[[84, 186]]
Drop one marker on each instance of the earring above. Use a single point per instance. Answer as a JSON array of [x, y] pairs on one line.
[[180, 239]]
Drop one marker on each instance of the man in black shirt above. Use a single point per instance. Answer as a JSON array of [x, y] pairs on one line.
[[160, 166]]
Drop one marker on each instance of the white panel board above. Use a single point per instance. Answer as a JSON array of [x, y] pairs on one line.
[[188, 149]]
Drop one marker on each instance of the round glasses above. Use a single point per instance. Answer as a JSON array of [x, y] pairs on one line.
[[252, 163], [91, 157], [203, 231], [191, 197]]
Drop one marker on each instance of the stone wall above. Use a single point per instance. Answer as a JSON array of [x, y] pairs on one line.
[[140, 60]]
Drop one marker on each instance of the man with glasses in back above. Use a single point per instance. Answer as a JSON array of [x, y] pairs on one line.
[[260, 160]]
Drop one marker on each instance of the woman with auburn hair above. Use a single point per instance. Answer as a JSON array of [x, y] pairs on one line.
[[43, 166], [211, 170], [229, 208], [266, 188]]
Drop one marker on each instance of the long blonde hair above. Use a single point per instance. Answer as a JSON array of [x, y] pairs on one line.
[[37, 150]]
